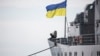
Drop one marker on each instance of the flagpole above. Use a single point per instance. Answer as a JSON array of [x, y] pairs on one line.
[[65, 23], [65, 28]]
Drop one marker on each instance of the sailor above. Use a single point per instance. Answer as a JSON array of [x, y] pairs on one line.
[[54, 36]]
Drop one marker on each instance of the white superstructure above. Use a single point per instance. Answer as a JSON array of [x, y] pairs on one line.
[[83, 36]]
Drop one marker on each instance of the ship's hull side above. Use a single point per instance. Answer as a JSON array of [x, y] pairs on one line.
[[67, 50]]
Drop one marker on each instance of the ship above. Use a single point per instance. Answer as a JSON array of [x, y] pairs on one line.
[[83, 34]]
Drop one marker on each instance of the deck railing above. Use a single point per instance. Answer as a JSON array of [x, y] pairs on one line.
[[88, 39]]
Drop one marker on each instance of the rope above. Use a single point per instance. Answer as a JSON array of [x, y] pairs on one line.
[[41, 51]]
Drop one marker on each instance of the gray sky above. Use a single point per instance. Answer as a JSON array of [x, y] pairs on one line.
[[24, 28]]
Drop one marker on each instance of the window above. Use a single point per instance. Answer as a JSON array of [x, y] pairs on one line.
[[97, 23], [98, 53], [82, 53], [96, 1], [65, 53], [70, 54], [97, 39], [86, 16], [76, 26], [75, 53], [91, 7], [61, 54], [58, 54]]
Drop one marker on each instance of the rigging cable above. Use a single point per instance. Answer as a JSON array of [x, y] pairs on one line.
[[41, 51]]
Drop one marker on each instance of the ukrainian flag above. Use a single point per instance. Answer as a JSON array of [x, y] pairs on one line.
[[56, 10]]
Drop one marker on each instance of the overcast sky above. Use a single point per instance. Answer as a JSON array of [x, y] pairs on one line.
[[24, 28]]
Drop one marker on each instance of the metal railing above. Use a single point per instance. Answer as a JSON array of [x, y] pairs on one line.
[[86, 39]]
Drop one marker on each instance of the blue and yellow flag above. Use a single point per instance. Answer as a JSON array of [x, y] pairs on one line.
[[56, 10]]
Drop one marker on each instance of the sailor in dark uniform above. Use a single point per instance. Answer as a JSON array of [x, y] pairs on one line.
[[54, 36]]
